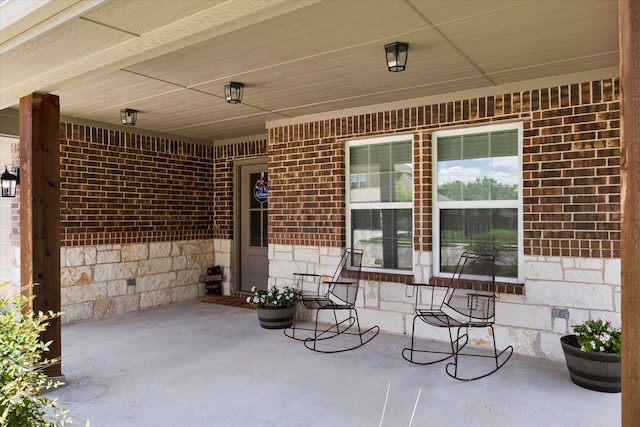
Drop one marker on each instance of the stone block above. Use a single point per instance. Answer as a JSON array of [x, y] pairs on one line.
[[389, 322], [522, 340], [617, 299], [153, 266], [306, 254], [588, 263], [560, 326], [535, 270], [188, 277], [583, 276], [108, 255], [398, 292], [116, 305], [79, 275], [524, 316], [369, 293], [183, 293], [76, 312], [398, 307], [134, 252], [224, 260], [159, 250], [189, 247], [612, 271], [199, 260], [82, 255], [113, 271], [550, 346], [117, 288], [179, 262], [422, 274], [83, 293], [512, 299], [156, 281], [154, 298], [282, 256], [567, 294], [223, 246], [329, 262]]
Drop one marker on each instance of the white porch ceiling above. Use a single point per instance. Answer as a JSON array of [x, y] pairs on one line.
[[169, 59]]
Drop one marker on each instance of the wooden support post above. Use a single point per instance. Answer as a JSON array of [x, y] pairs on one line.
[[40, 211], [629, 29]]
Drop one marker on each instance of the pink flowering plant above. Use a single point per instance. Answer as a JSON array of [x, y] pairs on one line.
[[598, 336], [274, 297]]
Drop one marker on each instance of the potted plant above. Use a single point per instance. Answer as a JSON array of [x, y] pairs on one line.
[[593, 355], [276, 307]]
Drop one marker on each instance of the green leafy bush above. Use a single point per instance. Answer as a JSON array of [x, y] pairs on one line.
[[22, 363]]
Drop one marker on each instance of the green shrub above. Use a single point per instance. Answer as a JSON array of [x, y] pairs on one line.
[[22, 363]]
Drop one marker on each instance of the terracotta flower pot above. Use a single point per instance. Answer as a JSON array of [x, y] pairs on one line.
[[593, 370]]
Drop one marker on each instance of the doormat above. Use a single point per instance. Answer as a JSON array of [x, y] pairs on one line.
[[233, 300]]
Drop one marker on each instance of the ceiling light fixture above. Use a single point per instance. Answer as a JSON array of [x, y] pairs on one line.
[[128, 116], [233, 92], [397, 56], [9, 181]]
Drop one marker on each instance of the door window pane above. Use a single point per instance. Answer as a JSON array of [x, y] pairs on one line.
[[258, 213]]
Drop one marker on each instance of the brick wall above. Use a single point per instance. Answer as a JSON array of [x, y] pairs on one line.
[[570, 162], [119, 187]]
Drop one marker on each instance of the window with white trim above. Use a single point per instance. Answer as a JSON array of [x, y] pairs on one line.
[[380, 202], [477, 203]]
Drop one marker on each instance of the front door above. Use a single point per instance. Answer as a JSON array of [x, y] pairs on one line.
[[253, 262]]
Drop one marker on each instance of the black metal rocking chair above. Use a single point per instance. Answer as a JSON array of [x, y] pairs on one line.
[[339, 295], [469, 302]]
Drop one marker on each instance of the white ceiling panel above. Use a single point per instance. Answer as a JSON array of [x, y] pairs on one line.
[[169, 59], [43, 54], [144, 16]]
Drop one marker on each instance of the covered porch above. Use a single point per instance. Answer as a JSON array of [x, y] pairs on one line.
[[198, 364]]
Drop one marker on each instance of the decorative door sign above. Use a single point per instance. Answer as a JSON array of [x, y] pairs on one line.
[[261, 189]]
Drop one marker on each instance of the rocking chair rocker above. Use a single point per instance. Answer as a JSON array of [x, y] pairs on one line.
[[469, 302], [340, 296]]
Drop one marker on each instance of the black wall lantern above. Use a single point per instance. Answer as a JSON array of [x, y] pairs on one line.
[[9, 181], [233, 92], [128, 116], [397, 56]]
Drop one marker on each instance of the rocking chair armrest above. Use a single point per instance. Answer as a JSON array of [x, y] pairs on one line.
[[307, 274], [331, 282]]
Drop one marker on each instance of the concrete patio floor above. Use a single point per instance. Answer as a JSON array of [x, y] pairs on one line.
[[199, 364]]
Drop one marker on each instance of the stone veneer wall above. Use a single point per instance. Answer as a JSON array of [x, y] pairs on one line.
[[571, 207], [587, 287], [94, 279]]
